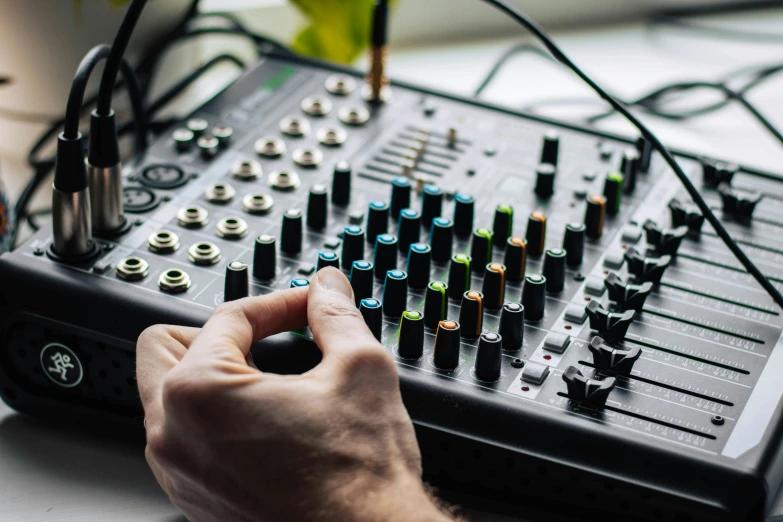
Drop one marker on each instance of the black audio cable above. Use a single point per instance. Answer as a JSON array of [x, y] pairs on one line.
[[678, 18], [731, 94], [721, 231], [44, 166], [504, 59], [104, 165], [652, 102], [112, 68], [70, 195]]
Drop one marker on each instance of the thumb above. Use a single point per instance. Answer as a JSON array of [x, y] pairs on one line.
[[337, 325]]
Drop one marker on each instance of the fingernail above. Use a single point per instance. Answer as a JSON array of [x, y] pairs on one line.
[[333, 280]]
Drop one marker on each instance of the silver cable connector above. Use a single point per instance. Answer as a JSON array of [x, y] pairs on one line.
[[106, 198], [71, 223]]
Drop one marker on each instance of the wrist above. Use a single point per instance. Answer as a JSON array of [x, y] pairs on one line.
[[404, 499]]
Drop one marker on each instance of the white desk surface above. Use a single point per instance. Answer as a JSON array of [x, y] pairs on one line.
[[51, 475]]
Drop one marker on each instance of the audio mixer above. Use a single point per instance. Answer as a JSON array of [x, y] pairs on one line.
[[565, 324]]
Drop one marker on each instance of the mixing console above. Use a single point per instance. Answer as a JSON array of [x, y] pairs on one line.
[[565, 324]]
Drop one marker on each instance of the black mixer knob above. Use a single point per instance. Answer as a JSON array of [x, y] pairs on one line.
[[327, 259], [739, 204], [503, 225], [459, 275], [550, 148], [447, 343], [291, 232], [400, 196], [408, 228], [684, 214], [536, 233], [716, 172], [361, 280], [463, 215], [555, 269], [665, 242], [481, 248], [431, 204], [627, 296], [436, 304], [373, 317], [629, 167], [385, 255], [265, 257], [589, 392], [441, 238], [545, 180], [411, 345], [594, 216], [488, 357], [341, 184], [620, 360], [419, 262], [645, 150], [183, 139], [574, 243], [471, 314], [644, 268], [512, 321], [515, 259], [494, 286], [377, 220], [609, 325], [395, 293], [208, 146], [353, 245], [316, 207], [236, 282], [534, 297], [613, 192]]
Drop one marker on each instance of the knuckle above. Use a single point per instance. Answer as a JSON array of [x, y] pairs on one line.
[[182, 391], [230, 309], [152, 336], [157, 445], [370, 360]]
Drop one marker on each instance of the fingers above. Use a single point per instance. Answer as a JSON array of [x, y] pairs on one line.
[[158, 350], [336, 323], [353, 359], [235, 326]]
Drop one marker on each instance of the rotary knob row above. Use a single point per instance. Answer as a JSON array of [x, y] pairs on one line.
[[446, 352]]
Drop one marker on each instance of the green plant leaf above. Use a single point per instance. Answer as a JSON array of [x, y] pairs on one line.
[[338, 30]]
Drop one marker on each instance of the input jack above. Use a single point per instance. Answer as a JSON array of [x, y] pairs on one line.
[[316, 106], [270, 147], [174, 281], [204, 253], [258, 203], [294, 127], [192, 217], [354, 115], [232, 228], [133, 269], [246, 170], [163, 242], [284, 180], [331, 137], [340, 84], [307, 157], [219, 193]]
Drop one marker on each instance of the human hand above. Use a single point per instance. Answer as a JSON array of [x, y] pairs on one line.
[[228, 442]]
